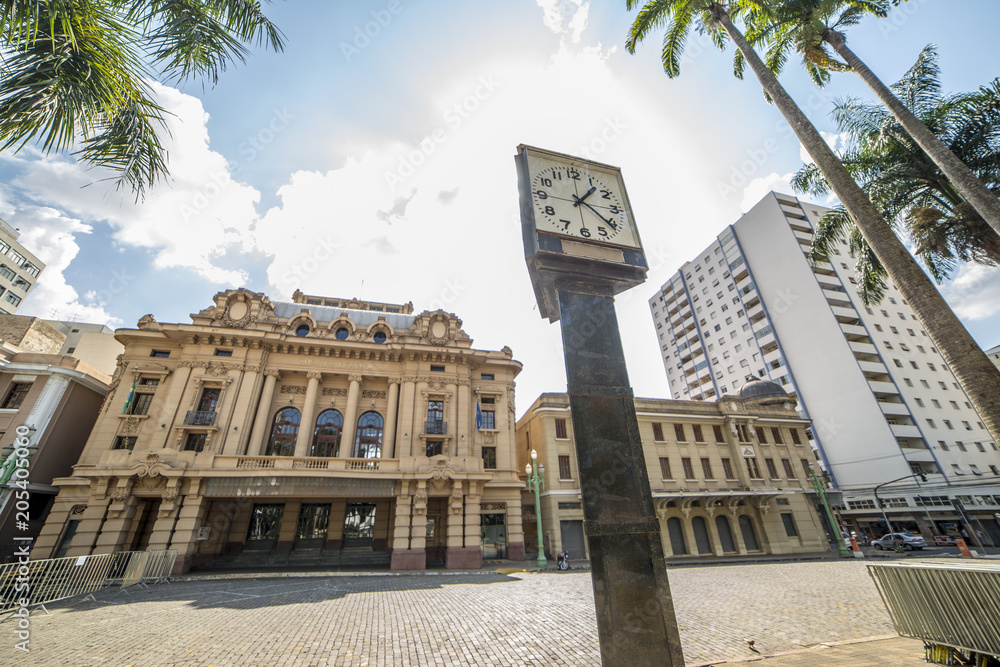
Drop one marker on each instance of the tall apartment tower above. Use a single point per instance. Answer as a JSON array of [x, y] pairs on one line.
[[19, 270], [883, 403]]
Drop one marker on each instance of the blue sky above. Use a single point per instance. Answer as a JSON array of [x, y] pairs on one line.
[[373, 158]]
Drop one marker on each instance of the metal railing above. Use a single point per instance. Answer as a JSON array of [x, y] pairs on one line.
[[199, 418], [944, 602], [435, 427], [40, 582]]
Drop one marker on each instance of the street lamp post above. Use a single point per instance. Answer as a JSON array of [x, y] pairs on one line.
[[536, 478], [881, 505], [821, 492]]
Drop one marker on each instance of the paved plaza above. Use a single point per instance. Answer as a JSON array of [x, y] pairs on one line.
[[521, 618]]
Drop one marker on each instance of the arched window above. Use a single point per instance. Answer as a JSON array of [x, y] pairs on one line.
[[676, 533], [326, 437], [368, 441], [749, 534], [701, 538], [725, 533], [283, 433]]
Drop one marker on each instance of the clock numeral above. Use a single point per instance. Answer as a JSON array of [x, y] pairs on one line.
[[584, 232], [549, 210], [573, 173], [565, 224], [547, 182], [542, 194], [605, 194], [614, 209], [602, 231]]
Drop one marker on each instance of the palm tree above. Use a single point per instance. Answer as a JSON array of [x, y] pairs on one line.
[[808, 26], [979, 378], [74, 73], [906, 185]]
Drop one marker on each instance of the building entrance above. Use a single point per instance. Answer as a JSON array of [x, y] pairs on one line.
[[359, 525], [493, 533], [314, 520], [265, 525]]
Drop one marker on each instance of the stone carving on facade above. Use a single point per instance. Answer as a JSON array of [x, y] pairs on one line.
[[510, 400], [492, 507], [147, 321], [371, 393], [314, 375], [764, 506], [78, 509], [169, 495], [122, 493], [355, 378], [334, 391], [292, 389], [272, 372]]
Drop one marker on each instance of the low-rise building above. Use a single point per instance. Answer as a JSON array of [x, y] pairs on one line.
[[319, 430], [727, 477]]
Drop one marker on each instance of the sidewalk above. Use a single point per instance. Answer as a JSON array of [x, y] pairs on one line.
[[887, 651]]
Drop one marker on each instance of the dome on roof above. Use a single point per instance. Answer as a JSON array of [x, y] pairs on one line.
[[762, 391]]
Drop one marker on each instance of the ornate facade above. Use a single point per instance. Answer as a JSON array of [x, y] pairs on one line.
[[729, 477], [305, 431]]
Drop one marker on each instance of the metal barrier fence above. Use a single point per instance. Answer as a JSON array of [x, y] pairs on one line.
[[946, 603], [43, 581]]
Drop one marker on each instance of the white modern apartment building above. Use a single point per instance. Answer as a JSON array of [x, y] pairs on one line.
[[882, 401], [19, 270]]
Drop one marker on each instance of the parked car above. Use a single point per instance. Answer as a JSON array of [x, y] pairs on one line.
[[944, 540], [905, 540]]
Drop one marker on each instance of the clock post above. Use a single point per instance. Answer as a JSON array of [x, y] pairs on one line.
[[581, 249]]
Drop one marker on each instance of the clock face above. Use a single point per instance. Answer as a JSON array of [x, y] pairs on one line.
[[575, 201]]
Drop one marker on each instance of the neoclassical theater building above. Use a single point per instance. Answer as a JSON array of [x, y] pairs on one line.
[[314, 431]]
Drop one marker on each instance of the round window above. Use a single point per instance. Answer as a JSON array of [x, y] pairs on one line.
[[342, 333], [302, 330], [379, 337]]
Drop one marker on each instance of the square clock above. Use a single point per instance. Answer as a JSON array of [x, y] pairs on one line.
[[577, 227]]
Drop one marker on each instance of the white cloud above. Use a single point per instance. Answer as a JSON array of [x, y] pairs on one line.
[[565, 16], [187, 222], [974, 294], [759, 187]]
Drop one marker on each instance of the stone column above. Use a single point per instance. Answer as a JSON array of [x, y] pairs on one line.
[[289, 526], [419, 420], [119, 520], [307, 426], [90, 528], [389, 436], [689, 541], [404, 419], [713, 534], [463, 420], [239, 421], [473, 509], [451, 419], [418, 527], [260, 425], [458, 555], [171, 406], [734, 526], [402, 558], [185, 539], [350, 417], [668, 546]]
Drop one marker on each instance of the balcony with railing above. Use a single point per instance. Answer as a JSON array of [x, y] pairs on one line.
[[200, 418], [305, 463], [434, 427]]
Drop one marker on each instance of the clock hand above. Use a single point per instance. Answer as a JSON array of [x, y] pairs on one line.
[[597, 213], [579, 200]]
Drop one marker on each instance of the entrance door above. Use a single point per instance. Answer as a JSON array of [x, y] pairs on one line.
[[146, 515], [572, 539], [359, 525], [493, 533], [314, 519], [265, 525]]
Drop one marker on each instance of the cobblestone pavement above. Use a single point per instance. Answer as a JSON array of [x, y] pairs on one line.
[[438, 619]]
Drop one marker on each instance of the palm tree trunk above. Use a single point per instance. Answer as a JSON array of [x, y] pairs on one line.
[[978, 377], [985, 202]]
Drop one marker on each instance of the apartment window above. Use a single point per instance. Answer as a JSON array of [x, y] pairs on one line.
[[934, 401], [805, 467], [795, 436], [915, 365], [679, 432], [561, 429], [771, 469], [489, 458], [727, 469], [762, 435], [930, 422], [743, 432], [486, 376], [909, 383], [789, 521], [223, 353], [878, 327], [920, 402], [434, 448], [980, 447], [752, 468], [943, 445], [149, 382], [961, 446], [665, 468], [489, 420], [948, 424], [924, 383], [688, 468], [698, 437], [195, 442], [564, 471], [160, 354], [437, 369], [893, 330], [16, 396], [994, 469], [787, 465], [967, 425], [718, 434], [899, 364], [943, 385], [12, 298], [124, 442], [776, 432], [954, 404], [657, 432], [956, 469]]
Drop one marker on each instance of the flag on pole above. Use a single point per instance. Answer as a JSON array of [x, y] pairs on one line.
[[131, 395], [479, 418]]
